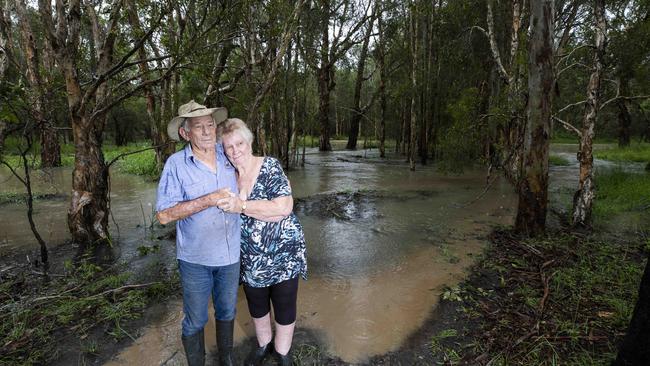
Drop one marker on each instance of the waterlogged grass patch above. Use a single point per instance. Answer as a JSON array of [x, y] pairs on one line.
[[619, 191], [637, 153], [35, 311], [13, 197], [558, 160]]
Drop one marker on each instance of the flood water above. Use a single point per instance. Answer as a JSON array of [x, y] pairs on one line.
[[375, 271]]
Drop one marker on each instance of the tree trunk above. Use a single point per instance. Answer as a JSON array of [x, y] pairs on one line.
[[357, 113], [624, 118], [324, 108], [635, 348], [533, 187], [382, 80], [88, 212], [584, 196], [163, 145], [413, 31], [50, 148]]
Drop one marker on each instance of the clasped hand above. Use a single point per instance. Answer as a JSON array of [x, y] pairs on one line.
[[232, 203]]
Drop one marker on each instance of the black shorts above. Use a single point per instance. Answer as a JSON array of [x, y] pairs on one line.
[[283, 295]]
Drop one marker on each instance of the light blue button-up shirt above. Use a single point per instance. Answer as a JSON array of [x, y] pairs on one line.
[[210, 237]]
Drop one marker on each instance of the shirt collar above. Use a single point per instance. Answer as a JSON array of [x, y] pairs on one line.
[[221, 157]]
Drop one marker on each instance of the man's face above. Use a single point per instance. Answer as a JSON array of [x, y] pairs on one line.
[[202, 132]]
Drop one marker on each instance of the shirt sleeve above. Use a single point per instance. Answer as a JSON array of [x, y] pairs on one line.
[[277, 182], [169, 188]]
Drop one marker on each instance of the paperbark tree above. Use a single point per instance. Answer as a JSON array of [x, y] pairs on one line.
[[533, 186], [623, 115], [511, 131], [38, 90], [89, 103], [413, 39], [358, 111], [381, 63], [323, 54], [584, 196]]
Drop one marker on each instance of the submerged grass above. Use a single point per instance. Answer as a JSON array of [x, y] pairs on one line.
[[13, 197], [558, 160], [561, 299], [39, 312]]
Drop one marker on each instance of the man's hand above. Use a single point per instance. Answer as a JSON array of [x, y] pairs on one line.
[[187, 208], [231, 203], [218, 195]]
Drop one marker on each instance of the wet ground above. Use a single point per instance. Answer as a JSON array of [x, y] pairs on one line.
[[383, 243]]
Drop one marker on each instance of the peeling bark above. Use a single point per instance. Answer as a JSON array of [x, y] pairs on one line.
[[533, 186], [584, 196], [50, 148]]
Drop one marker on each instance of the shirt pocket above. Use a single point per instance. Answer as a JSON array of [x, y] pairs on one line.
[[194, 191]]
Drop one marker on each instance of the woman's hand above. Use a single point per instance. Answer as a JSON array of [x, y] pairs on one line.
[[231, 204]]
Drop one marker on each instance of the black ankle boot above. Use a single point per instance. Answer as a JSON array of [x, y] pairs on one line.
[[258, 354], [224, 342], [194, 347], [283, 360]]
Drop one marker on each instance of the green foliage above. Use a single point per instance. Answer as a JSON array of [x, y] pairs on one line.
[[461, 145]]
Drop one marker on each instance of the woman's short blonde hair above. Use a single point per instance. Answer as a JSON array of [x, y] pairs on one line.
[[234, 125]]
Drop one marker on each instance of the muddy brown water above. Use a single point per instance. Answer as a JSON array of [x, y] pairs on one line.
[[376, 266]]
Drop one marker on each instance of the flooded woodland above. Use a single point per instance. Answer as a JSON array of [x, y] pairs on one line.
[[471, 181], [384, 244]]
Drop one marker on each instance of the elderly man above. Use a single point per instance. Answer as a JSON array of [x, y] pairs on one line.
[[207, 238]]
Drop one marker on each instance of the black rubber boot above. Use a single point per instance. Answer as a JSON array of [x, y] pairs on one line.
[[194, 347], [284, 360], [258, 354], [224, 342]]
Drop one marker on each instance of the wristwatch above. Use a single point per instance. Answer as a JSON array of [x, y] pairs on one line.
[[243, 207]]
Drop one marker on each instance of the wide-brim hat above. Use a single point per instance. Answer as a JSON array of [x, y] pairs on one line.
[[194, 109]]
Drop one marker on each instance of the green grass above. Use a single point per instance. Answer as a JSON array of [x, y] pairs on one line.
[[558, 160], [564, 137], [619, 191], [635, 153], [141, 163]]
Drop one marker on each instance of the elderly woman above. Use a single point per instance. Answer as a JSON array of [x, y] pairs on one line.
[[272, 242]]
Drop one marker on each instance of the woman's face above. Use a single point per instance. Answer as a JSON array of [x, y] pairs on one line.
[[236, 147]]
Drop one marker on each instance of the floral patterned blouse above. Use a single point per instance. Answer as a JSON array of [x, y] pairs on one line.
[[271, 252]]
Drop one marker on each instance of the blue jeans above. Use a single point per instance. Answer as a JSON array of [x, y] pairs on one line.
[[198, 283]]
